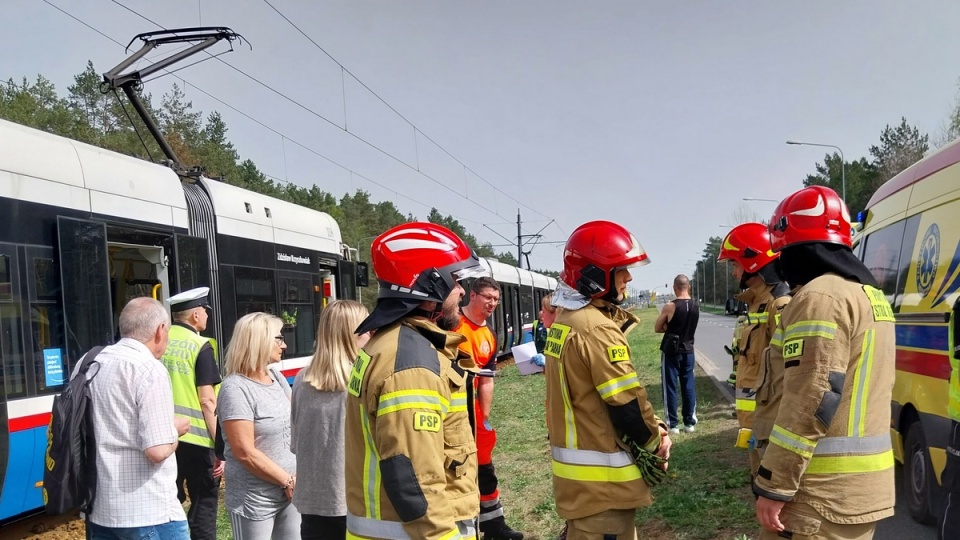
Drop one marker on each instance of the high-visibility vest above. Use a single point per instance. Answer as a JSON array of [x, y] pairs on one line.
[[180, 358]]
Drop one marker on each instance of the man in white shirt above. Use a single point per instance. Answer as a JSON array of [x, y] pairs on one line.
[[136, 433]]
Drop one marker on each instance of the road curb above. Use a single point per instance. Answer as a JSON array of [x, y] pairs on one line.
[[711, 369]]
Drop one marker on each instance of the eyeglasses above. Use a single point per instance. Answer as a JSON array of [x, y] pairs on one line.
[[489, 298], [280, 339]]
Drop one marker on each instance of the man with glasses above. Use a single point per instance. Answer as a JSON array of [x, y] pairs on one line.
[[195, 377], [482, 345]]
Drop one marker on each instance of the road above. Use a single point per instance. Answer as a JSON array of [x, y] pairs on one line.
[[715, 331]]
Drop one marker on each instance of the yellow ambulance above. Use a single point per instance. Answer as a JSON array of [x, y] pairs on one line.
[[909, 241]]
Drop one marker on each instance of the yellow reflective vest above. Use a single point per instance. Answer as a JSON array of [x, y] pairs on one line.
[[180, 358], [830, 443], [411, 458], [588, 366]]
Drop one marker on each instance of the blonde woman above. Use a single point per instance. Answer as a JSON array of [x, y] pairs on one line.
[[254, 411], [317, 414]]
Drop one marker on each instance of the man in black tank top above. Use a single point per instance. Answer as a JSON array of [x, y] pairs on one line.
[[679, 318]]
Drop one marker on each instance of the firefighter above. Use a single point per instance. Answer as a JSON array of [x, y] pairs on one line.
[[754, 266], [827, 471], [949, 522], [411, 459], [605, 440]]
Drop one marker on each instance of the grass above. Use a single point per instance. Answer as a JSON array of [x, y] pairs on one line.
[[706, 496]]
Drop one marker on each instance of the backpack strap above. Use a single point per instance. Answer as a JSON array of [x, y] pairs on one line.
[[87, 362]]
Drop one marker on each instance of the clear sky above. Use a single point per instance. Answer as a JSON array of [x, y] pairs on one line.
[[661, 116]]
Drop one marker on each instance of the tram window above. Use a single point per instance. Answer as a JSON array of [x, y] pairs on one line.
[[11, 345], [526, 305], [6, 282], [46, 321], [45, 279], [256, 290], [296, 310]]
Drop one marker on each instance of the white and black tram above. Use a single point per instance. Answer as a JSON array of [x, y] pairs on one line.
[[83, 230]]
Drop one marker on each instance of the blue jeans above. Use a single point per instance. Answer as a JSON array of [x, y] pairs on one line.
[[679, 366], [173, 530]]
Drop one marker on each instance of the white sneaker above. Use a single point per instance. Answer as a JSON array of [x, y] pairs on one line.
[[674, 431], [689, 429]]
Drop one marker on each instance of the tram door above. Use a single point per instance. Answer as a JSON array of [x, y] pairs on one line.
[[85, 285], [135, 271]]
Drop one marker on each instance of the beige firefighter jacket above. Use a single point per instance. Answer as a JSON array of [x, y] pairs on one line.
[[588, 367], [411, 459], [763, 311], [830, 445]]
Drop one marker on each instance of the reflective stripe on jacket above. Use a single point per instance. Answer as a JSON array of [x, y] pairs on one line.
[[588, 369], [763, 312], [411, 460], [830, 445], [180, 359]]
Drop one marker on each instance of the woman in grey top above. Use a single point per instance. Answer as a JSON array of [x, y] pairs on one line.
[[254, 410], [317, 414]]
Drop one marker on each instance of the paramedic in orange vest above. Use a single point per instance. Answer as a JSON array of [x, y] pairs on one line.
[[606, 443], [482, 345]]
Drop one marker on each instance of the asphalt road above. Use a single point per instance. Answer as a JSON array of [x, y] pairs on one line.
[[715, 331]]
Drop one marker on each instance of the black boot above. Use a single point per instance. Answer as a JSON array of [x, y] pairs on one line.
[[499, 530]]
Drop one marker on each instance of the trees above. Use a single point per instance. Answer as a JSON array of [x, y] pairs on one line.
[[900, 147]]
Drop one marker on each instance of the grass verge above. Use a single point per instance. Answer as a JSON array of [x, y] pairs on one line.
[[707, 494]]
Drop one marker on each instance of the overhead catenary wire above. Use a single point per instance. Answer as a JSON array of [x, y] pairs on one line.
[[334, 124], [392, 108], [273, 130]]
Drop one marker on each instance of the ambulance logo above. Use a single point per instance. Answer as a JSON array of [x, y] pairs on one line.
[[928, 259]]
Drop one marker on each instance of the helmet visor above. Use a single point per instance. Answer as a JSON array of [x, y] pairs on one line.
[[470, 272]]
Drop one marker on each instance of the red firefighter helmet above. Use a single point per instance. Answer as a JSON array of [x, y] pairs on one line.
[[749, 245], [813, 214], [594, 252], [421, 261]]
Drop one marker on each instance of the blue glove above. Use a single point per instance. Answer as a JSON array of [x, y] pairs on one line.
[[487, 426], [538, 360], [752, 444]]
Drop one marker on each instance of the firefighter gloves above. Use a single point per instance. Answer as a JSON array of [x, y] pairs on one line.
[[650, 464]]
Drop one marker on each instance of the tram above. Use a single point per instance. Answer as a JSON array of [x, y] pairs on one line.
[[85, 229]]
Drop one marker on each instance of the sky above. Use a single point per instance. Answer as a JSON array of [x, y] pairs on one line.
[[660, 116]]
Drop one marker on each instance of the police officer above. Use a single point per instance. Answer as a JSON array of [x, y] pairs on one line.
[[411, 459], [949, 523], [195, 377], [827, 471], [754, 264], [596, 405]]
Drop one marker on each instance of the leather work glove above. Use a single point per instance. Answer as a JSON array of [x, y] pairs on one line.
[[648, 462], [538, 360]]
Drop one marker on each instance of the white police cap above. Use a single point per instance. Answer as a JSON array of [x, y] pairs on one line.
[[189, 299]]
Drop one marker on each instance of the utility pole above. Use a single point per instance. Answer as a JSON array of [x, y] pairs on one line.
[[519, 243]]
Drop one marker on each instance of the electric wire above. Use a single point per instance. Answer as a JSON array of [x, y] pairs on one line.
[[325, 119], [271, 129], [411, 124]]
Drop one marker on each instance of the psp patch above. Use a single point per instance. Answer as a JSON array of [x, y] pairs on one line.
[[618, 353], [426, 421], [356, 374], [792, 348]]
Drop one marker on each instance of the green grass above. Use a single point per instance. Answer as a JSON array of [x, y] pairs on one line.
[[706, 496]]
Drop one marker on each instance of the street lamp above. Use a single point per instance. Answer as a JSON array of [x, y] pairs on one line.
[[843, 163]]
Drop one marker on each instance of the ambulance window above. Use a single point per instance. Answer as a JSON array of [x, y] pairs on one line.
[[906, 255], [881, 255]]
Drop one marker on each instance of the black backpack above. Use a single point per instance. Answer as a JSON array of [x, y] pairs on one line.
[[70, 467]]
